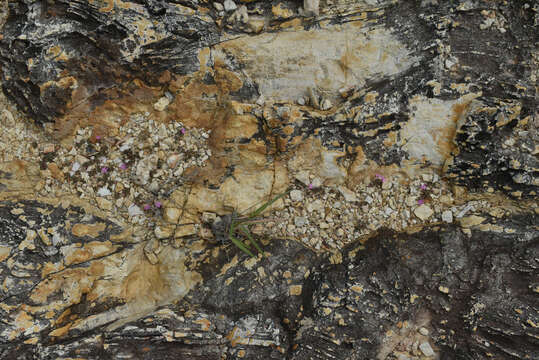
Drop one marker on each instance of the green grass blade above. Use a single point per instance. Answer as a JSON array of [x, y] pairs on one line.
[[247, 233], [241, 246], [265, 206], [232, 228], [238, 242]]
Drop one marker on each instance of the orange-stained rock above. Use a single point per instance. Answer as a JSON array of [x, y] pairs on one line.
[[91, 230]]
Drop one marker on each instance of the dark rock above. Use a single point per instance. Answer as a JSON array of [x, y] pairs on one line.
[[477, 292], [71, 48]]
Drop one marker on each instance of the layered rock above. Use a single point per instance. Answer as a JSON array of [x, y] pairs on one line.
[[405, 128]]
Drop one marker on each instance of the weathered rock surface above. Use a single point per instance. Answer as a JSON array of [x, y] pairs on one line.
[[362, 107], [476, 293], [425, 81]]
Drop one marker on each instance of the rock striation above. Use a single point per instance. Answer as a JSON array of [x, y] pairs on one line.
[[135, 132]]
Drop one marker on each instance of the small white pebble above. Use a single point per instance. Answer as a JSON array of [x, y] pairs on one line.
[[230, 5], [426, 349], [161, 104], [447, 216], [218, 6], [300, 221], [104, 191], [326, 105], [134, 210], [296, 195]]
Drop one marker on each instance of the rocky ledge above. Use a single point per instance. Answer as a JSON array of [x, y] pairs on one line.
[[400, 139]]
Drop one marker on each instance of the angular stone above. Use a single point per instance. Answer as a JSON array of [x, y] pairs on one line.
[[296, 195], [423, 212], [164, 231], [161, 104], [134, 210], [104, 203], [311, 7], [447, 216], [426, 349], [218, 6], [230, 5], [300, 221], [185, 230], [326, 105], [348, 194], [172, 214], [472, 220]]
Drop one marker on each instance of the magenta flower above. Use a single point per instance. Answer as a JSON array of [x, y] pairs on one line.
[[104, 170], [123, 166], [381, 177], [147, 207], [158, 204], [310, 186], [423, 187], [98, 137], [183, 130], [420, 201]]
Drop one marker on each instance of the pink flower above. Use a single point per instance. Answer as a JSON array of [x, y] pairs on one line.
[[147, 207], [104, 170], [423, 187], [98, 137], [420, 201], [381, 177], [183, 130], [158, 204], [123, 166], [310, 186]]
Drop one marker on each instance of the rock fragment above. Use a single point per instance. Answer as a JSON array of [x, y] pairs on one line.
[[326, 105], [242, 15], [313, 98], [423, 212], [348, 194], [311, 7], [7, 118], [172, 215], [300, 221], [230, 5], [426, 349], [218, 6], [55, 171], [447, 216], [134, 210], [163, 231], [104, 203], [103, 191], [303, 177], [185, 230], [161, 104], [296, 195]]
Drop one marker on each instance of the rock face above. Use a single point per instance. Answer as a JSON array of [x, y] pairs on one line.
[[390, 65], [407, 132], [293, 304]]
